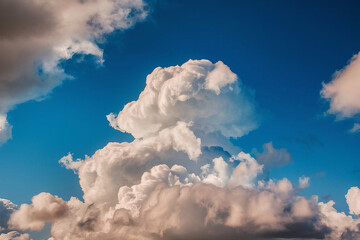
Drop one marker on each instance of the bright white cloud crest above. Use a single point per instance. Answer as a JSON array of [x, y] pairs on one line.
[[190, 92], [171, 182]]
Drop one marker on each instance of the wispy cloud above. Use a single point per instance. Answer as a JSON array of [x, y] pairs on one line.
[[272, 157], [355, 128]]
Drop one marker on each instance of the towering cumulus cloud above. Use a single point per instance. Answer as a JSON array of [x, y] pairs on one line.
[[36, 35], [177, 180]]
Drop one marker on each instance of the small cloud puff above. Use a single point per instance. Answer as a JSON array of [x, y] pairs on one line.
[[342, 91], [272, 157], [44, 208], [355, 128]]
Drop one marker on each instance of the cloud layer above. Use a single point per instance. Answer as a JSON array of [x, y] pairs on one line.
[[177, 181], [37, 35]]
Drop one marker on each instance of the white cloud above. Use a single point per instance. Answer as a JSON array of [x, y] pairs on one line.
[[304, 182], [355, 128], [172, 203], [196, 91], [353, 200], [246, 171], [39, 34], [120, 164], [69, 163], [217, 176], [338, 222], [170, 183], [5, 129], [343, 90], [44, 208], [131, 198]]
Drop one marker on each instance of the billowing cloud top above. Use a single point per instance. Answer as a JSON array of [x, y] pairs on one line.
[[172, 182], [36, 35], [190, 92]]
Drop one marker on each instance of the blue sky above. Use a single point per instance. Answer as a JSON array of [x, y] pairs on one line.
[[282, 50]]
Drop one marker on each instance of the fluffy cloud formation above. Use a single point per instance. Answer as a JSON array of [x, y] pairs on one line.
[[36, 35], [120, 164], [170, 203], [342, 91], [342, 226], [353, 200], [44, 208], [190, 92], [176, 181]]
